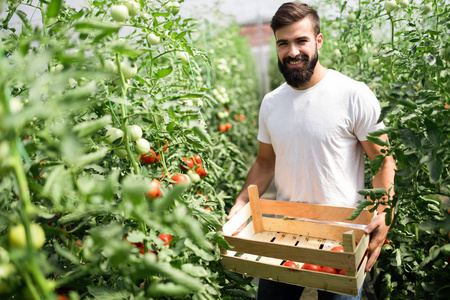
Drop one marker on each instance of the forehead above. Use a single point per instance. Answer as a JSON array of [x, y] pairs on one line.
[[304, 27]]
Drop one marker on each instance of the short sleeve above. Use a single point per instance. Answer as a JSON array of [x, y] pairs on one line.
[[263, 133], [367, 111]]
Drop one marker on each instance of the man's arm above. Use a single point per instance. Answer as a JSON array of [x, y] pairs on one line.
[[260, 174], [383, 179]]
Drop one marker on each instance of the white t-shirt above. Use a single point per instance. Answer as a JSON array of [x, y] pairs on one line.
[[315, 134]]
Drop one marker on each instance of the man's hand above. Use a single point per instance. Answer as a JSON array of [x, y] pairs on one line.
[[378, 232], [236, 207]]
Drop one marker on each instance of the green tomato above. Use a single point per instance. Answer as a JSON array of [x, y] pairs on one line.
[[390, 6], [17, 237], [175, 7], [353, 50], [153, 39], [129, 69], [121, 153], [335, 25], [142, 146], [119, 12], [403, 3], [182, 56], [110, 66], [113, 134], [427, 8], [373, 62], [133, 8], [4, 256], [353, 58], [194, 176], [6, 270], [135, 132], [168, 6], [15, 105], [337, 54], [351, 17]]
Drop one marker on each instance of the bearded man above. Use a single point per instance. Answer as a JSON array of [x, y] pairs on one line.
[[312, 136]]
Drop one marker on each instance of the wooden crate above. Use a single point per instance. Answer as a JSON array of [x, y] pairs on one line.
[[266, 242]]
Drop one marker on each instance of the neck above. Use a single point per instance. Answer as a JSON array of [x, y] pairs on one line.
[[319, 73]]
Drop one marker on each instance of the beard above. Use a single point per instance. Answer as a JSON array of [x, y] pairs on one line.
[[298, 77]]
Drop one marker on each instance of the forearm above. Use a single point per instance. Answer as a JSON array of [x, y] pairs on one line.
[[385, 179], [260, 175]]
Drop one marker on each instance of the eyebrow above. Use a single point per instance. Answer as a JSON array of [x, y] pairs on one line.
[[297, 38]]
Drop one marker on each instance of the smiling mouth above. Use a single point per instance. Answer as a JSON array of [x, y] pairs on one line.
[[295, 63]]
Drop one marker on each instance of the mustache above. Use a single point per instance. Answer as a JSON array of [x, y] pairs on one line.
[[300, 57]]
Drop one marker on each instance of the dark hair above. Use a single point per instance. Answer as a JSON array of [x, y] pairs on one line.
[[291, 12]]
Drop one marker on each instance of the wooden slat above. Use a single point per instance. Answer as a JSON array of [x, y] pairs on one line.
[[349, 246], [330, 244], [329, 282], [280, 239], [264, 236], [312, 211], [255, 208], [237, 220], [306, 228], [298, 254]]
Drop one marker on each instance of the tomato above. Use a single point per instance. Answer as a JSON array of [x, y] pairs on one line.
[[222, 128], [133, 8], [200, 171], [182, 56], [342, 272], [403, 3], [242, 117], [188, 162], [337, 53], [290, 264], [79, 243], [390, 6], [121, 153], [153, 39], [62, 297], [386, 248], [194, 177], [135, 132], [427, 8], [114, 134], [17, 237], [228, 126], [180, 179], [328, 270], [155, 190], [373, 62], [129, 69], [110, 66], [197, 160], [142, 146], [166, 146], [311, 267], [166, 238], [208, 209], [175, 7], [351, 17], [119, 12], [338, 249], [149, 157]]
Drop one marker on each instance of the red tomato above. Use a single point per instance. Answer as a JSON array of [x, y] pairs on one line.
[[188, 162], [201, 172], [180, 178], [155, 190], [208, 209], [197, 160], [166, 146], [311, 267], [222, 128], [62, 297], [242, 117], [342, 272], [290, 264], [338, 249], [228, 126], [328, 270], [150, 157], [166, 238]]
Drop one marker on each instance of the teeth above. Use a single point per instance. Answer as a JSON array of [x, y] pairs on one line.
[[295, 62]]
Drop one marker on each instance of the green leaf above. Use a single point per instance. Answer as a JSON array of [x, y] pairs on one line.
[[205, 255], [378, 141], [202, 134], [163, 72], [84, 160], [382, 131], [406, 102], [53, 8], [435, 169], [361, 206], [208, 217], [158, 289], [108, 293], [373, 193], [66, 254], [195, 271], [86, 128]]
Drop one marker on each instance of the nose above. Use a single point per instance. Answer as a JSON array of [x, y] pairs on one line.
[[293, 50]]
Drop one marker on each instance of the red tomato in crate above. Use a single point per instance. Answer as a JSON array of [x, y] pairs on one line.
[[290, 264], [328, 270], [342, 272], [311, 267], [338, 249]]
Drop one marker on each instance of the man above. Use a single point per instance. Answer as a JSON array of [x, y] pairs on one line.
[[312, 134]]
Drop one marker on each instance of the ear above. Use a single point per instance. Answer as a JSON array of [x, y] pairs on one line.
[[319, 41]]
